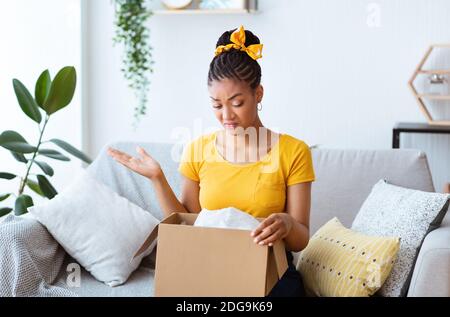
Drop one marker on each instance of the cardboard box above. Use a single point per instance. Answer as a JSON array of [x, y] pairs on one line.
[[201, 261]]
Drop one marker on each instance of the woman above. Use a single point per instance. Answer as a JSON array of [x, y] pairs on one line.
[[272, 179]]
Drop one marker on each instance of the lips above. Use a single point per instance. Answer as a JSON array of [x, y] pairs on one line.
[[230, 125]]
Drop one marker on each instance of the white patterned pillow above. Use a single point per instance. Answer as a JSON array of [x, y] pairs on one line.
[[406, 213]]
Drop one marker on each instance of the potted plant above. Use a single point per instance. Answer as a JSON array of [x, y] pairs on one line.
[[50, 96]]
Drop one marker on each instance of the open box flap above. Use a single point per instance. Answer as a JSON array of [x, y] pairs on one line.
[[172, 218], [279, 253], [280, 257]]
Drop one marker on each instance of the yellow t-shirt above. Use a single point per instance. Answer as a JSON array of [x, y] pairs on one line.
[[258, 188]]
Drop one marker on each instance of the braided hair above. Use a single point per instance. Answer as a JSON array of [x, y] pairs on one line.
[[235, 64]]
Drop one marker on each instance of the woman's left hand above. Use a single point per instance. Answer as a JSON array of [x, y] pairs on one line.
[[275, 227]]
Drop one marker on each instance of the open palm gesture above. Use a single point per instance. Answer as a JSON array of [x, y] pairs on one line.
[[144, 164]]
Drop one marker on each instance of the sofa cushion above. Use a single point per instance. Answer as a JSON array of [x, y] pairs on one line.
[[410, 214], [341, 262], [97, 227]]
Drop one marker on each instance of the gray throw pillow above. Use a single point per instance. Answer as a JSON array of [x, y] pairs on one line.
[[410, 214]]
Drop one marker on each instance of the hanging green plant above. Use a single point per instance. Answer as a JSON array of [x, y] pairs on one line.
[[131, 17]]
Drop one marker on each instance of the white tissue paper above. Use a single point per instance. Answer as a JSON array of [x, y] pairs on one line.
[[231, 218]]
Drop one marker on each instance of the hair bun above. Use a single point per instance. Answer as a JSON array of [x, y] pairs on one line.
[[250, 38], [237, 64]]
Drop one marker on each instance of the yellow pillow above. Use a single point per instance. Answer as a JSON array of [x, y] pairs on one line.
[[342, 262]]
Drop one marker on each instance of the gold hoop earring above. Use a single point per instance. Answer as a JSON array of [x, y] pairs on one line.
[[259, 107]]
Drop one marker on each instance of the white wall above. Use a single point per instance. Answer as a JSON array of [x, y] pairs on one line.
[[335, 72], [38, 35]]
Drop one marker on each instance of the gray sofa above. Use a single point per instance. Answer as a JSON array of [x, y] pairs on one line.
[[344, 179]]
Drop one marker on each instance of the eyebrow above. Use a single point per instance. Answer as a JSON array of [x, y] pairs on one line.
[[228, 98]]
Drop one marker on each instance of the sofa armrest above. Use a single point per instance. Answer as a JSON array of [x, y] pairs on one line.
[[431, 275]]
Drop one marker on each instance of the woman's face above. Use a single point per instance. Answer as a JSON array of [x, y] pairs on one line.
[[235, 104]]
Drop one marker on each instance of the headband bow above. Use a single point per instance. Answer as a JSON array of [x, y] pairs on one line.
[[238, 42]]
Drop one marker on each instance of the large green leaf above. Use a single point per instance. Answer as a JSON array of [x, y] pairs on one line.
[[11, 136], [62, 89], [26, 101], [42, 88], [19, 147], [7, 175], [47, 169], [3, 197], [19, 157], [13, 141], [35, 187], [72, 150], [53, 154], [47, 188], [4, 211], [22, 203]]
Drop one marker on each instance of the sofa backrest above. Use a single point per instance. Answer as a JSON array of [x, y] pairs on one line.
[[133, 186], [344, 177]]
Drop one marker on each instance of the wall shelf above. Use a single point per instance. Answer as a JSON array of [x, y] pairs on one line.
[[199, 11], [434, 71], [421, 97], [434, 97], [249, 7]]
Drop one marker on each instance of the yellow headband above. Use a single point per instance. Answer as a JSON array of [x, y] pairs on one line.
[[238, 42]]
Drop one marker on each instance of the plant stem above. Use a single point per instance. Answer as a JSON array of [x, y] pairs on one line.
[[24, 180]]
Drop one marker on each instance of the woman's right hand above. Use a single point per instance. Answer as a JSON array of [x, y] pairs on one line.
[[145, 164]]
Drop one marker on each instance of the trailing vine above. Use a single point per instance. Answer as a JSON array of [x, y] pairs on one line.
[[131, 31]]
